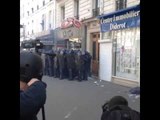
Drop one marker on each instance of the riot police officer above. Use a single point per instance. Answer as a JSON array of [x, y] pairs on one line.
[[71, 64], [61, 59]]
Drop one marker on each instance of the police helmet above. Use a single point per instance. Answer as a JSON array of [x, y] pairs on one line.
[[31, 66]]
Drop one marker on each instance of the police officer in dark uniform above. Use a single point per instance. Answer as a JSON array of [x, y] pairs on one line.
[[88, 63], [66, 72], [84, 66], [56, 65], [61, 59], [71, 64], [79, 65], [51, 63]]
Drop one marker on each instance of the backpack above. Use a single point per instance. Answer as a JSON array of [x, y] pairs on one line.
[[120, 112]]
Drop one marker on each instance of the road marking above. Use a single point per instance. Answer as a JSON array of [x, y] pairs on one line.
[[102, 85], [69, 113]]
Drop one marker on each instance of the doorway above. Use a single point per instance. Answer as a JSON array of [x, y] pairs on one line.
[[95, 53]]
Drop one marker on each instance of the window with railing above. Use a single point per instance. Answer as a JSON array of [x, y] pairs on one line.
[[37, 7], [96, 6], [76, 9], [95, 12], [121, 4]]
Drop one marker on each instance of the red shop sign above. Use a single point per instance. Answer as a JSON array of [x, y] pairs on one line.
[[71, 21]]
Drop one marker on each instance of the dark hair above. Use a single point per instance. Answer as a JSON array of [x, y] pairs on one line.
[[114, 101], [117, 100], [31, 66]]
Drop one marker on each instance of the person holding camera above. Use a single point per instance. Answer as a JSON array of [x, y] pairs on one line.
[[117, 109], [32, 89]]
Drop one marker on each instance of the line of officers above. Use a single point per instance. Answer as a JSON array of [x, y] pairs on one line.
[[68, 64]]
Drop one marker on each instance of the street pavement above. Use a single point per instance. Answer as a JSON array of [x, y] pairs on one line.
[[73, 100]]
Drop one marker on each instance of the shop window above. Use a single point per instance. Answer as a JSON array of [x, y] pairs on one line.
[[121, 4], [107, 35], [127, 53]]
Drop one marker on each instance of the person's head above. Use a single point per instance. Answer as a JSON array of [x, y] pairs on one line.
[[117, 100], [114, 101], [31, 66]]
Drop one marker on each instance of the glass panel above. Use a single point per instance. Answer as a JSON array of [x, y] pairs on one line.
[[127, 53]]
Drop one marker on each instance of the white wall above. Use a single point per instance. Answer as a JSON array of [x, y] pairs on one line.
[[132, 2], [105, 63], [109, 5], [85, 10]]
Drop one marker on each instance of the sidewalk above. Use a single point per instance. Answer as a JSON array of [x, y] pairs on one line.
[[134, 100]]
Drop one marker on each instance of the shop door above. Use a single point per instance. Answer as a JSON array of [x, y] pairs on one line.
[[95, 53]]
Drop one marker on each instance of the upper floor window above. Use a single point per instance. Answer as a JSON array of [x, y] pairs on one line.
[[62, 12], [28, 13], [32, 32], [32, 10], [37, 7], [121, 4], [76, 9], [43, 22], [96, 6], [43, 2]]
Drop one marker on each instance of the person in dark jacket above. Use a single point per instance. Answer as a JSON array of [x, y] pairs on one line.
[[71, 64], [61, 59], [56, 65], [32, 89], [88, 63], [32, 98], [117, 109], [79, 65]]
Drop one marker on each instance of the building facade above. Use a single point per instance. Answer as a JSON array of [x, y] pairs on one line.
[[89, 25], [38, 19], [120, 42]]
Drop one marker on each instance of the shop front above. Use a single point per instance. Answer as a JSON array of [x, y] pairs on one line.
[[92, 44], [120, 47], [70, 34]]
